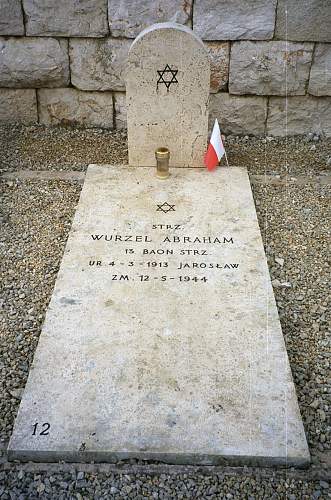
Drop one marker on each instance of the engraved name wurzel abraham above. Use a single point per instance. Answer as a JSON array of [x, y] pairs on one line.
[[167, 239]]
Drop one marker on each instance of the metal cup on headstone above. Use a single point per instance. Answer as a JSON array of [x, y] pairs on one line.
[[162, 156]]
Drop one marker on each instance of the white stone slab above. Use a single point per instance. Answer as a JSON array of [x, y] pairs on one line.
[[167, 92], [152, 361]]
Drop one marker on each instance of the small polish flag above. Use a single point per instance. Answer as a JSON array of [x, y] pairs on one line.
[[215, 149]]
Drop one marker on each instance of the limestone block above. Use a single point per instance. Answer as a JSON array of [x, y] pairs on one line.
[[11, 17], [73, 107], [167, 84], [120, 110], [128, 19], [178, 365], [98, 64], [33, 62], [66, 18], [239, 115], [269, 68], [219, 65], [18, 106], [320, 74], [235, 20], [304, 115], [305, 20]]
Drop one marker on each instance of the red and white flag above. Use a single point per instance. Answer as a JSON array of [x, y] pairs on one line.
[[215, 149]]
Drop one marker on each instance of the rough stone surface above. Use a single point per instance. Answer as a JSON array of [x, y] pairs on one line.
[[74, 107], [270, 68], [239, 115], [120, 110], [11, 18], [219, 65], [66, 18], [128, 19], [164, 108], [182, 370], [304, 115], [33, 62], [235, 20], [306, 20], [320, 74], [98, 64], [18, 105]]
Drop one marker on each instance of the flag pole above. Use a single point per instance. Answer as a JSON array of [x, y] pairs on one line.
[[226, 158]]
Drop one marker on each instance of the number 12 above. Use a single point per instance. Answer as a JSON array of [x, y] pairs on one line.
[[45, 426]]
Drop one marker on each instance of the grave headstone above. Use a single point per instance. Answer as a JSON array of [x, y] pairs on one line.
[[167, 92]]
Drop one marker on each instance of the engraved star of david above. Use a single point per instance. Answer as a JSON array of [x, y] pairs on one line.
[[165, 207], [167, 76]]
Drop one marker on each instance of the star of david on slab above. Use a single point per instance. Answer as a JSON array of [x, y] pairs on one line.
[[165, 207], [167, 76]]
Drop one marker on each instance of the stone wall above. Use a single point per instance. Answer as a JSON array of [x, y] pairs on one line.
[[63, 61]]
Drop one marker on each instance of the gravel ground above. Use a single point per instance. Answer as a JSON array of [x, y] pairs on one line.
[[79, 485], [294, 222], [35, 221], [36, 218], [40, 148]]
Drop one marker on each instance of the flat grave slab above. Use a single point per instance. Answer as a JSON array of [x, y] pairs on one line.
[[162, 339]]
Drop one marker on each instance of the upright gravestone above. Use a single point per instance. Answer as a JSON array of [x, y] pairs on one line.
[[162, 338], [167, 90]]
